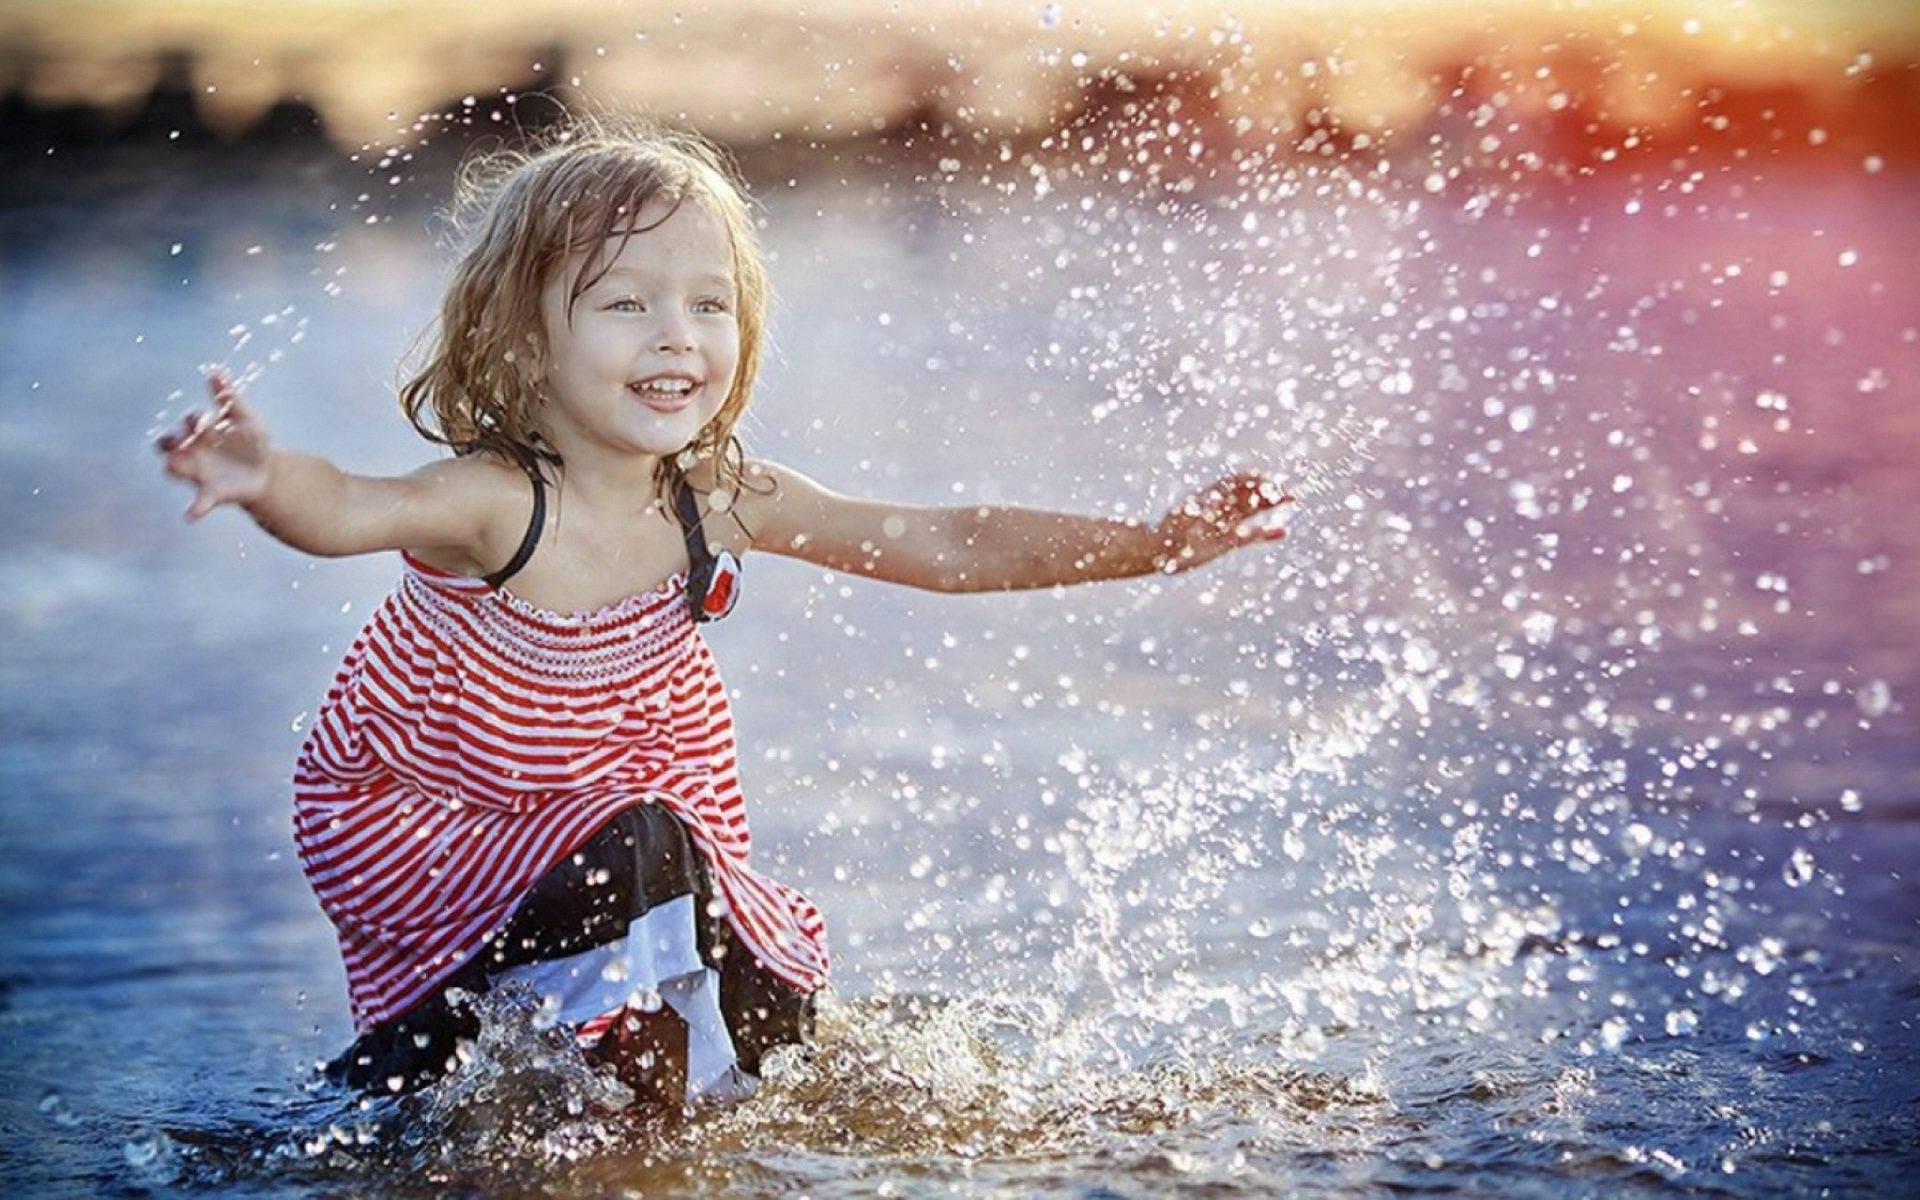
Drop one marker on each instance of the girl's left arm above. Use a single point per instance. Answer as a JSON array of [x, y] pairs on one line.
[[980, 548]]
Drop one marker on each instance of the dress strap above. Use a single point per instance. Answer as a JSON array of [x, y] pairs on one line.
[[531, 538], [711, 578]]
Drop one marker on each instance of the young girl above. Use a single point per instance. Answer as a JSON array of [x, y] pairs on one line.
[[538, 784]]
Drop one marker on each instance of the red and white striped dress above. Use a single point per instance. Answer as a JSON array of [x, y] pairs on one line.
[[471, 741]]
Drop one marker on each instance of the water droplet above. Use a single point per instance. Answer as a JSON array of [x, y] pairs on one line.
[[144, 1151], [54, 1107], [1419, 656], [1764, 955], [1538, 628]]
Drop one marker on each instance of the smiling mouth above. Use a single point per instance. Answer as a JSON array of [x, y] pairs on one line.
[[666, 402]]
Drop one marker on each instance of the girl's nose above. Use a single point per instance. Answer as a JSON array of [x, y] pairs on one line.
[[676, 335]]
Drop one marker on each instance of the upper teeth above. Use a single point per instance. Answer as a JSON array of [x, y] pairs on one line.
[[668, 385]]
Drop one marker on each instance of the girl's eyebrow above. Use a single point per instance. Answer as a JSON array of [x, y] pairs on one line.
[[704, 276]]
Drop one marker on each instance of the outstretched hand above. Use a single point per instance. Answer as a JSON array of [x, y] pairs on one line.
[[1219, 518], [223, 453]]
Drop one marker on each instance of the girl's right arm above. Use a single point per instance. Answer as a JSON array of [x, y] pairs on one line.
[[312, 505]]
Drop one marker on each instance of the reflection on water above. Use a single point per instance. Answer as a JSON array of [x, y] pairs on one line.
[[1536, 813]]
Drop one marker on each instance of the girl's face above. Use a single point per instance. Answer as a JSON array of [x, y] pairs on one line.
[[650, 353]]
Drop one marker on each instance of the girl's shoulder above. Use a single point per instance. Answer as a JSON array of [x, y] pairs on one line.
[[478, 470], [744, 498], [495, 486], [495, 493]]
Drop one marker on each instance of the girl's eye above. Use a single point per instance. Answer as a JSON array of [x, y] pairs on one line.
[[629, 304]]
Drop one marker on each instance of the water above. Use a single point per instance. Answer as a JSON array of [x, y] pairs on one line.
[[1536, 820]]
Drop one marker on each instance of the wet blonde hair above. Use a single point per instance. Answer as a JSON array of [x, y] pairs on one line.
[[519, 215]]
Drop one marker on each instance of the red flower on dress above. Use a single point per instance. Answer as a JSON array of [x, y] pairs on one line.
[[721, 589]]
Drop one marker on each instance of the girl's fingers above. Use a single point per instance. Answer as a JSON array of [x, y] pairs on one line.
[[204, 502], [177, 439], [1268, 495], [179, 443], [1254, 490], [1249, 532], [1230, 502], [180, 451], [226, 397], [1267, 491], [197, 423]]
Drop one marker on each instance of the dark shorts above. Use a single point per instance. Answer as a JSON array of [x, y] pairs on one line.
[[639, 861]]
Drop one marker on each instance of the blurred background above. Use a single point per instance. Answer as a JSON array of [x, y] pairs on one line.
[[1536, 820]]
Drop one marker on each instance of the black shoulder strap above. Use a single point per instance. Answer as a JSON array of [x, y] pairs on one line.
[[532, 537], [699, 555]]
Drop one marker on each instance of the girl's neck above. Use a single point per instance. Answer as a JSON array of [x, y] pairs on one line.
[[610, 481]]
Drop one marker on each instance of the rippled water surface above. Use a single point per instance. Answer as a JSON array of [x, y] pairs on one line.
[[1536, 821]]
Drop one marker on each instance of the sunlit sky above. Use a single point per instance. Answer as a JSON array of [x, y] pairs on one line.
[[746, 69]]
